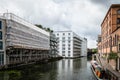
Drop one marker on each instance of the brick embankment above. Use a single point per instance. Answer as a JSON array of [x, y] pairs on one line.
[[106, 66]]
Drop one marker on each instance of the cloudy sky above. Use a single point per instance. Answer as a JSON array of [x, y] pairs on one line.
[[84, 17]]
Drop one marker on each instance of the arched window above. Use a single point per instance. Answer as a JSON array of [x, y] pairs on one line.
[[118, 11]]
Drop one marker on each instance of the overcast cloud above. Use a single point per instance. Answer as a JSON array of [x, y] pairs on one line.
[[84, 17]]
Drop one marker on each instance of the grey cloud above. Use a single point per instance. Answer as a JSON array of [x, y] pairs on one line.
[[104, 3], [81, 16]]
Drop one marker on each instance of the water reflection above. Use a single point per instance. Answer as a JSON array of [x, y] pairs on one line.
[[66, 69]]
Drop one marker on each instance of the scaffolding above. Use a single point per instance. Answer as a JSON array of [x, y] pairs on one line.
[[22, 34], [23, 41]]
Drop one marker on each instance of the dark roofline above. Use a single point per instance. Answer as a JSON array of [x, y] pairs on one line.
[[112, 6]]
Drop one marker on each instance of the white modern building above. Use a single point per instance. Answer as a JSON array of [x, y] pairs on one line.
[[69, 45], [21, 41], [84, 47]]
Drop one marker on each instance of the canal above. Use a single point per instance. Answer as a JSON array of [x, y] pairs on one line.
[[65, 69]]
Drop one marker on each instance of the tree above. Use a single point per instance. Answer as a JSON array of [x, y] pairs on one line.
[[38, 25], [46, 29], [94, 50]]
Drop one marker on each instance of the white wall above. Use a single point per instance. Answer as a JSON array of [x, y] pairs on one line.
[[66, 35], [59, 34], [84, 47]]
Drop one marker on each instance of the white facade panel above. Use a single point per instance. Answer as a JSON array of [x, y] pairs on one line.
[[84, 47], [66, 44]]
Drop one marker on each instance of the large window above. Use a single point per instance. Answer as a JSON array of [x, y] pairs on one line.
[[118, 11], [68, 48], [63, 38], [68, 41], [0, 24], [63, 41], [63, 45], [68, 38], [63, 51], [118, 20], [1, 45], [68, 52], [0, 35], [119, 47], [1, 58]]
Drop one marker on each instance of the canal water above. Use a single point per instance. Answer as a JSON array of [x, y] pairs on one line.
[[65, 69]]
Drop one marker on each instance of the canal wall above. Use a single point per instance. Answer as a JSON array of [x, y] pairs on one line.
[[112, 74], [13, 66]]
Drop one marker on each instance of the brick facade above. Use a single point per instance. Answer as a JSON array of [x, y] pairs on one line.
[[110, 32]]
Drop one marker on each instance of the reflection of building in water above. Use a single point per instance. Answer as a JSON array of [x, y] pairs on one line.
[[71, 69], [84, 63], [76, 64], [65, 69]]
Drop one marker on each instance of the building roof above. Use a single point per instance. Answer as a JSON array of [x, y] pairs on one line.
[[63, 31], [112, 6], [11, 16]]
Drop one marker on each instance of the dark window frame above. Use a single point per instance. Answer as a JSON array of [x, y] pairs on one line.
[[118, 11], [68, 33], [118, 20], [1, 45], [0, 24], [1, 35]]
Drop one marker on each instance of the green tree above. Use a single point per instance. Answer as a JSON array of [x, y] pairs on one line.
[[94, 50], [38, 25], [47, 29]]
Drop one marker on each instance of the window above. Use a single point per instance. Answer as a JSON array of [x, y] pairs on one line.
[[63, 54], [63, 51], [68, 33], [115, 39], [57, 38], [1, 45], [68, 48], [63, 38], [63, 33], [63, 48], [63, 41], [57, 34], [68, 41], [0, 35], [118, 20], [68, 51], [63, 45], [119, 47], [69, 38], [0, 24], [1, 58], [68, 54], [68, 45], [118, 11]]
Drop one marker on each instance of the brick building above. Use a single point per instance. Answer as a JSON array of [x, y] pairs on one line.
[[110, 34]]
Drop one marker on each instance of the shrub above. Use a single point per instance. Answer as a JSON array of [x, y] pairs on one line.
[[112, 55]]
